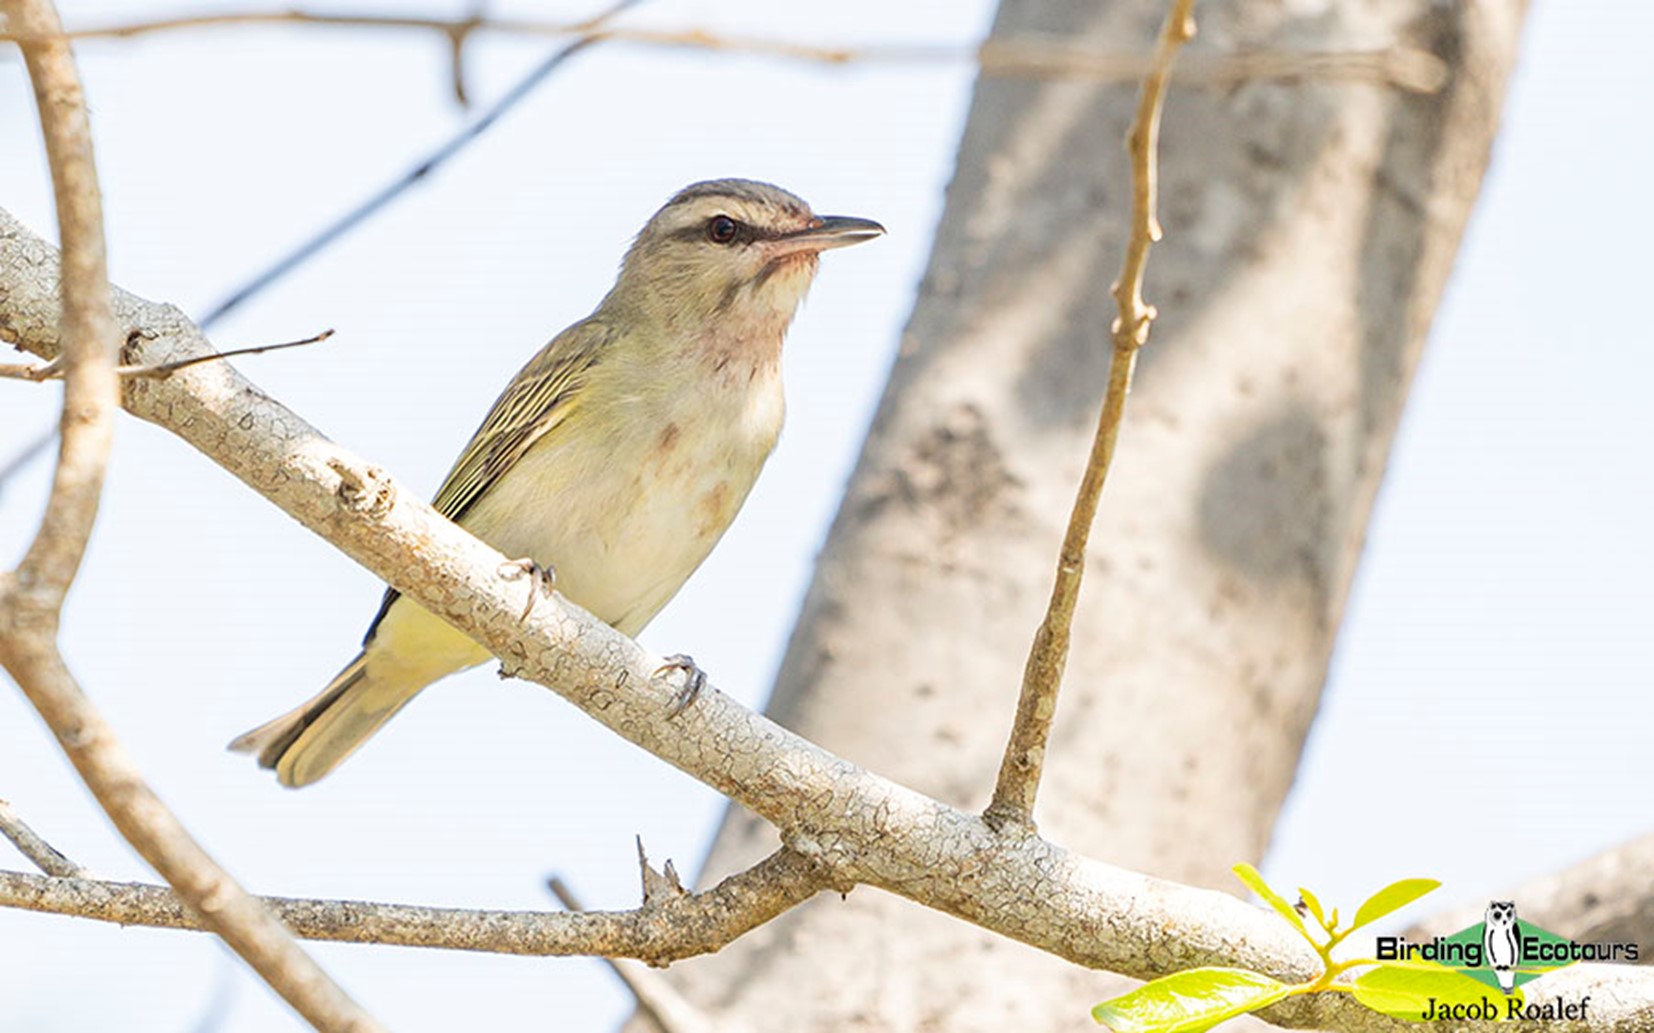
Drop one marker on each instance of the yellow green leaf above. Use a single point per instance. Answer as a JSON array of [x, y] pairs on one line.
[[1313, 904], [1189, 1002], [1249, 875], [1393, 897]]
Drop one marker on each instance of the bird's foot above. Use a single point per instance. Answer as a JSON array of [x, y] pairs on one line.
[[542, 579], [693, 682]]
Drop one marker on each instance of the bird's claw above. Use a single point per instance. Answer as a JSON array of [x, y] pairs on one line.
[[694, 681], [543, 578]]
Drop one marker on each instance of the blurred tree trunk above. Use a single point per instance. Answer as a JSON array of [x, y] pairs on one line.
[[1309, 231]]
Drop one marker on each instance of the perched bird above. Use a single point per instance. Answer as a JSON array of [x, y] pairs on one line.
[[616, 457]]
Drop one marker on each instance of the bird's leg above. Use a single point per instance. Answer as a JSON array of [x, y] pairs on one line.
[[542, 578], [694, 681]]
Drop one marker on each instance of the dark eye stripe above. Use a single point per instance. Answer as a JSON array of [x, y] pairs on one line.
[[745, 233]]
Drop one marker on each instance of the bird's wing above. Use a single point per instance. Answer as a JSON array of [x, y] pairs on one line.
[[539, 398]]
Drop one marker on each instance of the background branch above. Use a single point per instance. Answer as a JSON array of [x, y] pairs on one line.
[[420, 169], [1406, 68], [1031, 56], [32, 597], [854, 825]]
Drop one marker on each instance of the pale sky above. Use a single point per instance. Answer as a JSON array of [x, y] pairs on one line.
[[1488, 714]]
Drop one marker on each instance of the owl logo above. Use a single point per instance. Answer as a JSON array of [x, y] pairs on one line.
[[1502, 942]]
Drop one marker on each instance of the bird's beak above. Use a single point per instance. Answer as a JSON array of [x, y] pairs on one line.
[[829, 231]]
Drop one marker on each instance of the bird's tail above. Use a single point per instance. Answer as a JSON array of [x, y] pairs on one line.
[[1507, 978], [307, 742]]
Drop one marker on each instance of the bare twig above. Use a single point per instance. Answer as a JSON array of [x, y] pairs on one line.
[[1032, 56], [856, 826], [1012, 807], [32, 597], [36, 371], [166, 369], [697, 923], [658, 886], [44, 855], [41, 371], [586, 35]]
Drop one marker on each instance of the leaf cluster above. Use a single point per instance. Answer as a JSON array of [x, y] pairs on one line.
[[1198, 999]]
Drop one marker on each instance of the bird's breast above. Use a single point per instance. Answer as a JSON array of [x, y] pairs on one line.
[[625, 515]]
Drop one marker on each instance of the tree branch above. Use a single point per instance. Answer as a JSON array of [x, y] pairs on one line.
[[42, 854], [854, 825], [1024, 761], [1032, 57], [661, 933], [31, 598], [1036, 57], [43, 371]]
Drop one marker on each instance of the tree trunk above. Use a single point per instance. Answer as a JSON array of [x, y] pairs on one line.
[[1309, 231]]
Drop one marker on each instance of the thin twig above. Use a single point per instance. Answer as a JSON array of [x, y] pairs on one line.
[[1024, 761], [36, 371], [424, 167], [696, 923], [1032, 56], [42, 371], [658, 886], [44, 855], [165, 369], [31, 598]]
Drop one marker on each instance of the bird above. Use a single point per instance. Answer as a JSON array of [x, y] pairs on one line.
[[615, 459], [1502, 942]]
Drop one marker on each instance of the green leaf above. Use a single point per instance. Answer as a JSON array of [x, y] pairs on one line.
[[1393, 897], [1413, 991], [1313, 904], [1189, 1002], [1249, 875]]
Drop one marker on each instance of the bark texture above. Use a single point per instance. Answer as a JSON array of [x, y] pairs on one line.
[[1310, 229]]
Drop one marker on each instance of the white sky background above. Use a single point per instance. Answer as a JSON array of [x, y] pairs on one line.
[[1490, 707]]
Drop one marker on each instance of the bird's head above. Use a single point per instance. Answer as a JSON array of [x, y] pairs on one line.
[[730, 254]]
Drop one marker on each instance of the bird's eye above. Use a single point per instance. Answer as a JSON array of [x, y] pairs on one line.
[[721, 229]]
